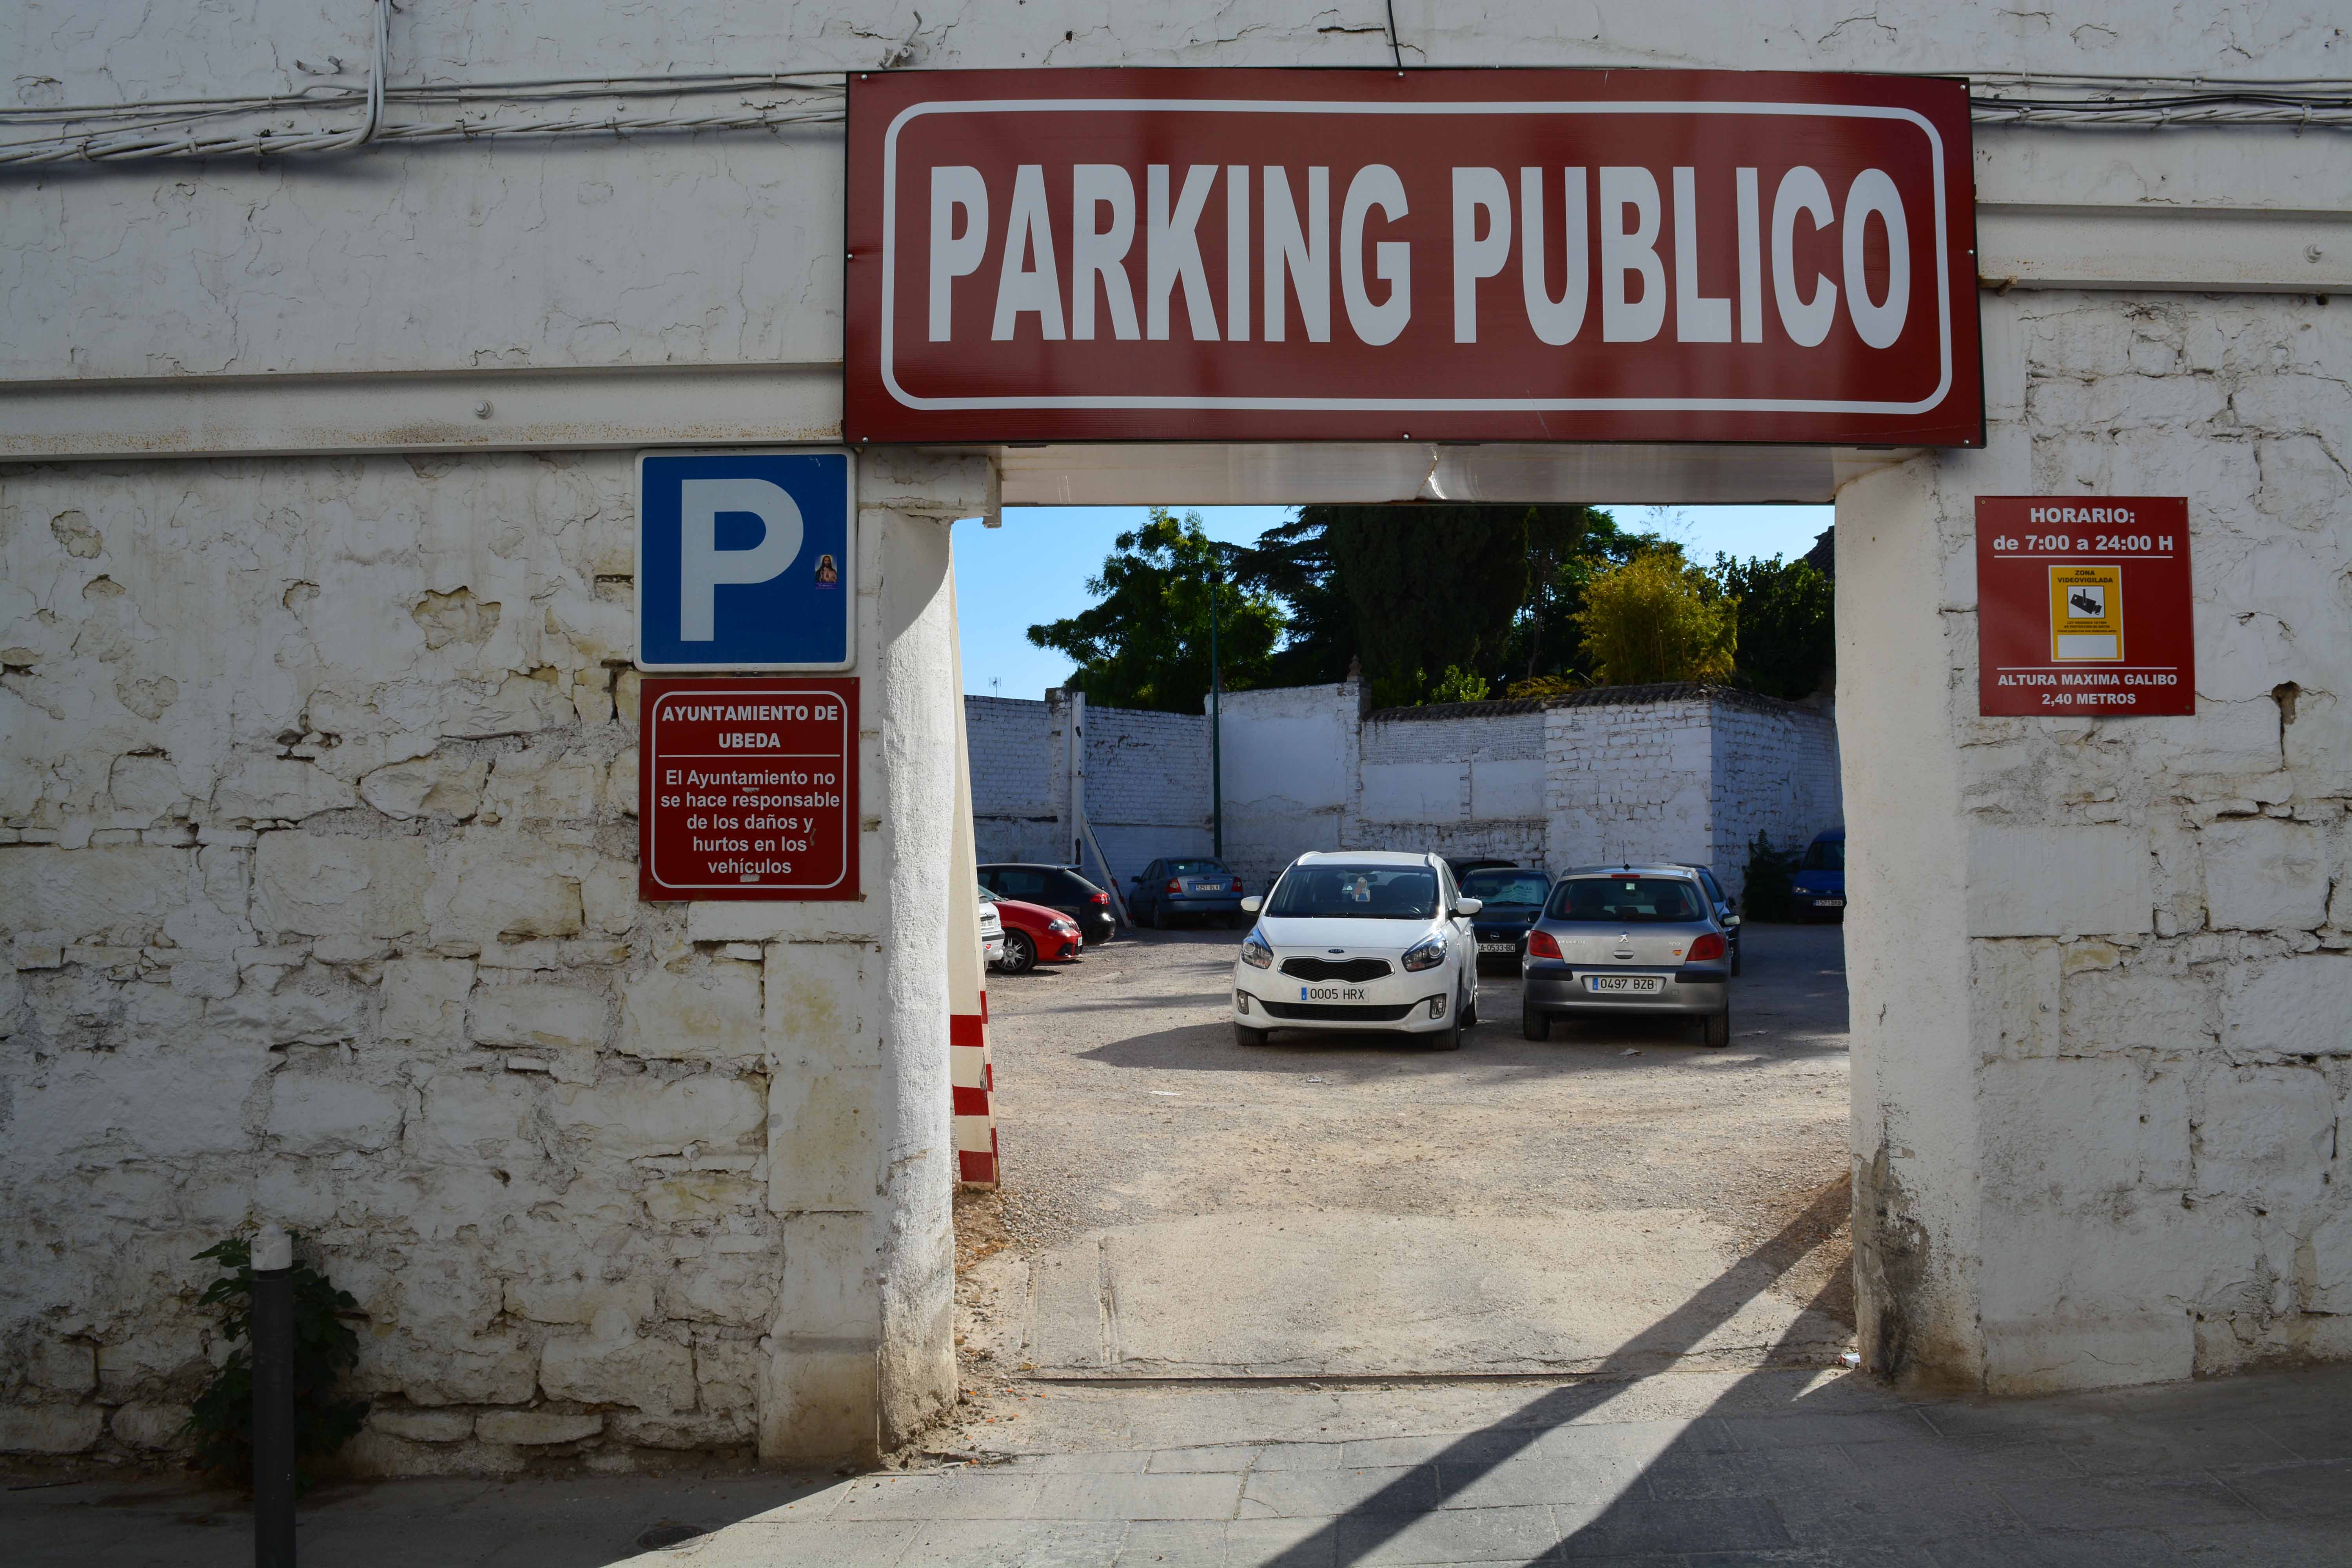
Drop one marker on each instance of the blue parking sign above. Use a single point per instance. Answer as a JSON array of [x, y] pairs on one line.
[[747, 559]]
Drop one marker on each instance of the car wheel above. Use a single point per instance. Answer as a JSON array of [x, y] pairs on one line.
[[1717, 1029], [1470, 1008], [1020, 953], [1245, 1037], [1735, 960], [1159, 915], [1448, 1038], [1535, 1023]]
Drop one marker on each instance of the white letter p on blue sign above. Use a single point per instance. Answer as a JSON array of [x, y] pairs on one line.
[[702, 566], [746, 560]]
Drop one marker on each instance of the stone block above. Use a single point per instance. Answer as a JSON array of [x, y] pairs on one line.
[[49, 1428], [2064, 1132], [538, 1013], [61, 1366], [323, 1010], [425, 998], [723, 1430], [737, 1290], [818, 1006], [641, 1116], [493, 888], [2263, 1134], [822, 1133], [151, 1427], [534, 1428], [710, 1014], [2059, 881], [612, 1366], [156, 1104], [580, 1301], [2264, 874], [281, 789], [543, 781], [620, 780], [315, 885], [121, 893], [2128, 1008], [424, 1425], [310, 1115], [699, 1196], [727, 1371], [475, 1116], [447, 788], [608, 898], [2297, 1006]]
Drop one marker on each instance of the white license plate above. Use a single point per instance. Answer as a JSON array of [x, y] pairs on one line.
[[1333, 992], [1197, 888], [1831, 903], [1498, 947], [1625, 984]]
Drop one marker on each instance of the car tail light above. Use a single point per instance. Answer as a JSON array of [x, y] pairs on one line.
[[1100, 898], [1173, 886], [1237, 885], [1708, 946], [1541, 945]]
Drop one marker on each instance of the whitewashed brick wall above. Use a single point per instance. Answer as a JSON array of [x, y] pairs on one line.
[[1146, 782]]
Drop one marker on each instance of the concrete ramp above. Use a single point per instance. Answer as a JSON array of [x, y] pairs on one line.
[[1311, 1292]]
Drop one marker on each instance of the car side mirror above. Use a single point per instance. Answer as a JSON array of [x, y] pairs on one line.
[[1468, 906], [1251, 904]]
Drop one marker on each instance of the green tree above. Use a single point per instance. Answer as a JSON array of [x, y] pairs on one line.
[[1546, 655], [1657, 617], [1788, 639], [1436, 593], [1291, 563], [1145, 641]]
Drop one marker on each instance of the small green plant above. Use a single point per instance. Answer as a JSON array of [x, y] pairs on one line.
[[325, 1347], [1769, 893]]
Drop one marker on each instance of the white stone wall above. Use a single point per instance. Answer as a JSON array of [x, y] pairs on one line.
[[1146, 782], [2097, 1120], [1630, 782], [1776, 772], [317, 873], [1293, 759]]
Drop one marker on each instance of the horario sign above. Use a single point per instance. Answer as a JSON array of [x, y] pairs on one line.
[[1442, 255]]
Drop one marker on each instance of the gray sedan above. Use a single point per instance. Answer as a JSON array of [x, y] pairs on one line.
[[1632, 939]]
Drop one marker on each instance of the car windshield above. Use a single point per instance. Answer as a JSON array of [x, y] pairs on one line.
[[1620, 901], [1195, 868], [1504, 886], [1355, 892], [1826, 855]]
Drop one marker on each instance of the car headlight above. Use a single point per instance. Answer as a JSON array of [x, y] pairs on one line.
[[1425, 955], [1257, 952], [1066, 926]]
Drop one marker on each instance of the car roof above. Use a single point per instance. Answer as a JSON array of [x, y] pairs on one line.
[[1827, 832], [1636, 869], [1366, 857]]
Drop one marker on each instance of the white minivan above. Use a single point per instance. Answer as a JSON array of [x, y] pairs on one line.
[[1356, 940]]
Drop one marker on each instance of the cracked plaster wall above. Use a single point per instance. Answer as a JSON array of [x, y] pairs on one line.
[[318, 881], [2102, 970], [725, 248]]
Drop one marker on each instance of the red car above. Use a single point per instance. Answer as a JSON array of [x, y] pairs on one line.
[[1034, 934]]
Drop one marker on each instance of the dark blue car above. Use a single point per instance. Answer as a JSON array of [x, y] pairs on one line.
[[1819, 891], [1513, 897]]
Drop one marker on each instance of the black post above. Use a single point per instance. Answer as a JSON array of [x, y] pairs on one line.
[[1217, 727], [273, 1399]]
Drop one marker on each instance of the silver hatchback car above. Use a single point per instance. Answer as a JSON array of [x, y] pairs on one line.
[[1630, 938]]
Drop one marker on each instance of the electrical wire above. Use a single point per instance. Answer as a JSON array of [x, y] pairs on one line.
[[276, 124]]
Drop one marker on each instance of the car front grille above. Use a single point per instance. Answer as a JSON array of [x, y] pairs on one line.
[[1334, 1013], [1352, 970]]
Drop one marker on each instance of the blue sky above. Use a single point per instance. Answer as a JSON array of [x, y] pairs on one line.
[[1034, 568]]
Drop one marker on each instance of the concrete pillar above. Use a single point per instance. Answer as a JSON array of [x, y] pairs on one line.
[[860, 1353], [2100, 969]]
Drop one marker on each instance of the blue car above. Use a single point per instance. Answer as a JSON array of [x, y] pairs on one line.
[[1513, 896], [1819, 890], [1188, 885]]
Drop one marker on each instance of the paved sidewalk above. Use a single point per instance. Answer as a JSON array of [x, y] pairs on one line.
[[1690, 1467]]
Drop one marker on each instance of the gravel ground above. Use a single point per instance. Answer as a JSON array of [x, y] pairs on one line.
[[1122, 1098]]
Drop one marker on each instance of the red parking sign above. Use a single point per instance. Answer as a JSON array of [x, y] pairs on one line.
[[748, 789], [1438, 255]]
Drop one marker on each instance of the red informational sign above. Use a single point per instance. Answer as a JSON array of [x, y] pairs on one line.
[[2083, 606], [1137, 255], [748, 789]]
